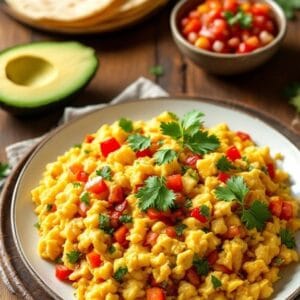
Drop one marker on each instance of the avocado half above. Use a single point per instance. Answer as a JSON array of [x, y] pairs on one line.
[[41, 75]]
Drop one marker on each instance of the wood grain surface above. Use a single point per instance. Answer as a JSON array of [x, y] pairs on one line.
[[126, 55]]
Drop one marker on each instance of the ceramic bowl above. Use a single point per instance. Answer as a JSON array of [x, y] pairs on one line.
[[226, 64]]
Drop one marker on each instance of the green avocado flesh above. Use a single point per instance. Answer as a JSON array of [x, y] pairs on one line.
[[44, 73]]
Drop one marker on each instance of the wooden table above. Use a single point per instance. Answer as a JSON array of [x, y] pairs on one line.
[[126, 56]]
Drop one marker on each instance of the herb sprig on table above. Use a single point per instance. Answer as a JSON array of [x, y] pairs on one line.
[[289, 7], [4, 167], [292, 92]]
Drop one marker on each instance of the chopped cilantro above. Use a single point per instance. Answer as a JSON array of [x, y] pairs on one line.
[[111, 249], [49, 207], [73, 256], [85, 198], [287, 238], [105, 173], [76, 184], [173, 116], [278, 261], [216, 282], [37, 225], [126, 124], [179, 228], [165, 156], [120, 273], [241, 18], [77, 146], [138, 142], [157, 70], [204, 210], [223, 164], [104, 224], [87, 151], [293, 93], [201, 265], [155, 194], [289, 7], [3, 170], [125, 219], [58, 260], [171, 129], [188, 203]]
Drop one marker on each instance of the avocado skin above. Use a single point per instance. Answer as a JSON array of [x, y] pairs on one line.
[[59, 103]]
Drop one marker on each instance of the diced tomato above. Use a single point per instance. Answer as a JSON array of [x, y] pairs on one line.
[[114, 219], [155, 293], [154, 214], [222, 268], [219, 29], [62, 272], [116, 194], [96, 185], [287, 211], [151, 238], [83, 208], [120, 235], [233, 231], [108, 146], [192, 160], [176, 215], [223, 177], [193, 25], [271, 170], [180, 199], [243, 136], [174, 182], [143, 153], [89, 139], [171, 232], [94, 259], [82, 176], [195, 213], [53, 208], [193, 277], [213, 257], [233, 153], [122, 206], [275, 207], [260, 9], [230, 5], [252, 43]]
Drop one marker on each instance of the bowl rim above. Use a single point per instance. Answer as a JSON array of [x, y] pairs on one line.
[[276, 9]]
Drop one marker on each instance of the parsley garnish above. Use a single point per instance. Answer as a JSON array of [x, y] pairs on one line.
[[73, 256], [187, 132], [241, 18], [201, 265], [216, 282], [111, 249], [204, 210], [85, 198], [289, 7], [287, 238], [223, 164], [104, 224], [125, 219], [126, 124], [293, 93], [105, 173], [157, 70], [120, 273], [49, 207], [138, 142], [76, 184], [165, 156], [155, 194], [179, 228], [3, 170]]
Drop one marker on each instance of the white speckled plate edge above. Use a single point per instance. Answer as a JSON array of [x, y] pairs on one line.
[[23, 217]]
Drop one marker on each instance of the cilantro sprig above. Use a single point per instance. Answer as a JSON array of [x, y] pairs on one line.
[[155, 194], [165, 156], [201, 265], [236, 190], [125, 219], [289, 7], [73, 256], [138, 142], [126, 125], [287, 238], [241, 18], [85, 198], [224, 164], [105, 173], [204, 210], [187, 132]]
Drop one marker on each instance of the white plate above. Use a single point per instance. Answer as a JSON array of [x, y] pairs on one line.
[[25, 235]]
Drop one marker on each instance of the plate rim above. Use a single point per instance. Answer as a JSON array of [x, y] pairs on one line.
[[244, 109]]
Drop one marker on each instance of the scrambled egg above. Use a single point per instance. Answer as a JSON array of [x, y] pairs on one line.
[[90, 193]]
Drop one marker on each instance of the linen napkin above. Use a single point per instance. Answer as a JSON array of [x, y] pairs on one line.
[[140, 89]]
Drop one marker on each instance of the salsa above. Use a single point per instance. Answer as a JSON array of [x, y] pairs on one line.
[[229, 26]]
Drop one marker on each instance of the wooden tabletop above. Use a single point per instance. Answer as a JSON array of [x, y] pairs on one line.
[[129, 54]]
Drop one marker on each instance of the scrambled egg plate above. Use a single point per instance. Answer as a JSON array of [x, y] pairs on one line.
[[167, 209]]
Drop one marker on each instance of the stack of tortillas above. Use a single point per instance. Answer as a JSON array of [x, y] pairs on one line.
[[81, 16]]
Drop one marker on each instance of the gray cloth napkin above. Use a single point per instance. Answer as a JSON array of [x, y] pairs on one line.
[[140, 89]]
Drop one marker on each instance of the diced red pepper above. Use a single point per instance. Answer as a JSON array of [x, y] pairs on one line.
[[223, 177], [122, 206], [53, 208], [89, 139], [62, 272], [94, 259], [243, 136], [287, 211], [83, 208], [116, 194], [154, 214], [97, 185], [192, 160], [82, 176], [213, 257], [271, 170], [193, 277], [230, 5], [108, 146], [195, 213], [150, 238], [120, 235], [233, 153], [155, 293], [260, 9], [222, 268], [171, 232], [174, 182], [275, 207], [193, 25], [143, 153]]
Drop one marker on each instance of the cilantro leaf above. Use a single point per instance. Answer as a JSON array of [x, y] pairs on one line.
[[235, 189], [223, 164], [292, 91], [179, 228], [201, 142], [173, 116], [120, 273], [85, 198], [191, 122], [138, 142], [105, 173], [278, 261], [76, 184], [73, 256], [256, 216], [289, 7], [3, 170], [201, 265], [165, 156], [287, 238], [77, 146], [216, 282], [171, 129], [104, 224], [155, 194], [241, 18], [126, 124], [157, 70], [125, 219], [111, 249], [204, 210]]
